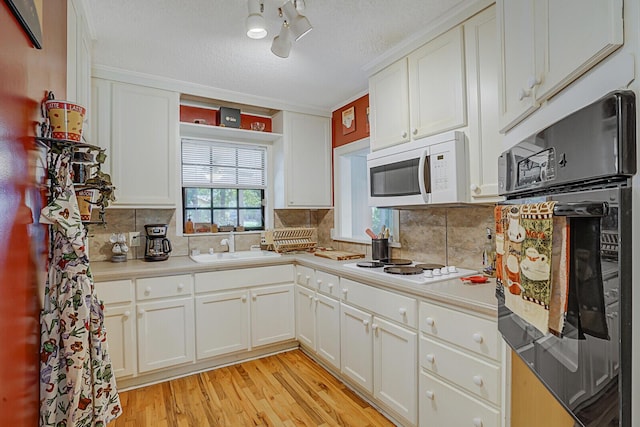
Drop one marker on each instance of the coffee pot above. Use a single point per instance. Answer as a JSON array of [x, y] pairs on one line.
[[158, 246]]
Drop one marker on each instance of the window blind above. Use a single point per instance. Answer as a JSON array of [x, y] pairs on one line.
[[223, 165]]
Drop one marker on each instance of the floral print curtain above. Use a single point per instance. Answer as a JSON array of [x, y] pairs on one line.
[[77, 384]]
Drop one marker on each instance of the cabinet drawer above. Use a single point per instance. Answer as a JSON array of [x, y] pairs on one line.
[[160, 287], [396, 307], [241, 278], [328, 283], [115, 292], [477, 376], [471, 332], [305, 276], [443, 405]]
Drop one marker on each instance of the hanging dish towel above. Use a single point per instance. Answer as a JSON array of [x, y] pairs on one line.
[[77, 385], [525, 269]]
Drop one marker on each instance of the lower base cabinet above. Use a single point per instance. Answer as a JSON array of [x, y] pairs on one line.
[[272, 314], [381, 357], [222, 323], [443, 405], [165, 333]]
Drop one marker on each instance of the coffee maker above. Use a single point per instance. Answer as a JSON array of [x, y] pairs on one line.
[[158, 246]]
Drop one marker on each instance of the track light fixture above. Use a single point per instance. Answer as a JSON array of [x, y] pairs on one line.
[[256, 27], [294, 25]]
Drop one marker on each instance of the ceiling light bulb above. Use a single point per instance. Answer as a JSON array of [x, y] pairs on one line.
[[281, 45], [299, 25], [256, 27]]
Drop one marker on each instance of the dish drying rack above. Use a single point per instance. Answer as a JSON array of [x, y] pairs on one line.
[[289, 239]]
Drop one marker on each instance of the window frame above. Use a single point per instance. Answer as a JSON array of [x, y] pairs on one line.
[[337, 233], [212, 208]]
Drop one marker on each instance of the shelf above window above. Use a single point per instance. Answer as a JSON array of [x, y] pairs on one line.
[[194, 130]]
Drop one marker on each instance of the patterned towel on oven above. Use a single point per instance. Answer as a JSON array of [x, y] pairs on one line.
[[525, 247]]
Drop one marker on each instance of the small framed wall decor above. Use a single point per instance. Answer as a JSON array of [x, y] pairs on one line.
[[348, 121], [29, 14]]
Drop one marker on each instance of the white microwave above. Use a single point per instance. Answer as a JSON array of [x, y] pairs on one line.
[[431, 170]]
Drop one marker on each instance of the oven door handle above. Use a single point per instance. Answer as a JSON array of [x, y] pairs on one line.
[[581, 209]]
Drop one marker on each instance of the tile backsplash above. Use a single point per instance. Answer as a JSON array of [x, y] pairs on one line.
[[445, 235]]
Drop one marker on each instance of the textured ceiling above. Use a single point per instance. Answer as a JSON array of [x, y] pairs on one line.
[[204, 42]]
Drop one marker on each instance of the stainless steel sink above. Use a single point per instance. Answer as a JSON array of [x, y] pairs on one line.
[[232, 256]]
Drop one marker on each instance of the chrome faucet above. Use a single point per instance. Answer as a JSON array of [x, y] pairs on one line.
[[230, 242]]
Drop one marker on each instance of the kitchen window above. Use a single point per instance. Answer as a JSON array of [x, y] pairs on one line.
[[224, 183], [352, 214]]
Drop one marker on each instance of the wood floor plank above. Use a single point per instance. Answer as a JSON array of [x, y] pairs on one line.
[[287, 389]]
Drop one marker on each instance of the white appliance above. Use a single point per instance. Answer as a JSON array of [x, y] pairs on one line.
[[427, 277], [430, 170]]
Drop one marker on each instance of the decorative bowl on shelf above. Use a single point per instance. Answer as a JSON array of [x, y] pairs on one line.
[[259, 126]]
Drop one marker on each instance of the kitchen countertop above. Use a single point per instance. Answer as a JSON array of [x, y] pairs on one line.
[[479, 298]]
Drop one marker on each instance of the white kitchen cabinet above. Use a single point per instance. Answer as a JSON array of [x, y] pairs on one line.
[[546, 45], [272, 314], [389, 106], [437, 100], [222, 323], [138, 126], [165, 333], [395, 368], [302, 157], [165, 323], [459, 358], [356, 346], [79, 59], [420, 95], [485, 140], [305, 317], [328, 329], [119, 322]]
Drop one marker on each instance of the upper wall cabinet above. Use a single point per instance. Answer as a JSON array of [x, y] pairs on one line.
[[302, 159], [545, 45], [421, 95], [139, 127], [485, 141], [78, 58]]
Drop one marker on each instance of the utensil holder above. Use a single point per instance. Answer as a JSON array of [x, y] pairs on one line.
[[379, 249]]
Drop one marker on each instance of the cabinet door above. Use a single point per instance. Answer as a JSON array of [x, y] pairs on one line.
[[309, 161], [144, 144], [389, 106], [356, 346], [517, 75], [485, 140], [305, 317], [222, 323], [165, 333], [573, 36], [120, 326], [328, 329], [395, 362], [272, 314], [443, 405], [437, 99]]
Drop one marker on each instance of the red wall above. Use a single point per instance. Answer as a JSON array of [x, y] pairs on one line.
[[189, 114], [25, 74], [362, 122]]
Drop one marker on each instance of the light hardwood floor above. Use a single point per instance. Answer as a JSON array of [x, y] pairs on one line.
[[287, 389]]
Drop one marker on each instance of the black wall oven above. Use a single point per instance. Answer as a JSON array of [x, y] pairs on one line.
[[584, 163]]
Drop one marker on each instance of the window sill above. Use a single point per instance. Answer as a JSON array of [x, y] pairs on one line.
[[219, 233]]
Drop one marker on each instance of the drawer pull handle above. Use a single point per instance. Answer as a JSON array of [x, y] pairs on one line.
[[243, 298], [307, 278], [430, 395], [140, 311], [374, 326], [315, 299], [403, 311], [477, 380], [477, 422], [431, 358], [254, 297], [319, 282], [403, 134], [180, 286], [345, 290], [415, 131], [430, 321], [310, 297], [365, 323], [330, 286], [478, 338], [127, 313], [299, 274], [147, 290]]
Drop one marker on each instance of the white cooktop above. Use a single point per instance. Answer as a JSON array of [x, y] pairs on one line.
[[427, 277]]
